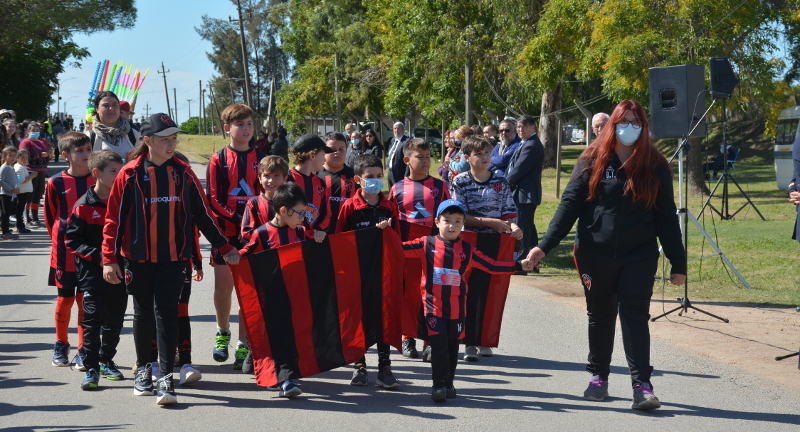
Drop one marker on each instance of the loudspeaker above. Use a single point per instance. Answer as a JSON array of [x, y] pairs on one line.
[[673, 92], [721, 75]]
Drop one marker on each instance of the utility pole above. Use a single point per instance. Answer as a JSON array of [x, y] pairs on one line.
[[338, 88], [166, 90], [200, 100], [147, 109], [189, 104], [175, 99], [468, 103], [216, 109], [269, 104], [203, 104], [244, 54]]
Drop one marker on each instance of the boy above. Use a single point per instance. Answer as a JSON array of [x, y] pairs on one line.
[[8, 188], [231, 181], [62, 192], [309, 157], [104, 304], [272, 172], [337, 177], [285, 228], [444, 292], [417, 196], [489, 203], [369, 208]]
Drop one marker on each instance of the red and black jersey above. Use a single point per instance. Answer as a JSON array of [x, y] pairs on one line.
[[417, 200], [63, 191], [231, 180], [443, 284], [339, 187], [154, 213], [270, 236], [357, 214], [318, 216], [84, 239], [257, 212]]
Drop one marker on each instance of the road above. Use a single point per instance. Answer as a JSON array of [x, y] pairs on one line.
[[534, 382]]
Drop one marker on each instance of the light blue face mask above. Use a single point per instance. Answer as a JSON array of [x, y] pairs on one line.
[[628, 135], [34, 135], [373, 186], [356, 141]]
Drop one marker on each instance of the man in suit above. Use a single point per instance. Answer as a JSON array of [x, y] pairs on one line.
[[396, 166], [524, 174]]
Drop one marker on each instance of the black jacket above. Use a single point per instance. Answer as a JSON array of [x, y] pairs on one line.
[[612, 224], [84, 239], [398, 168], [524, 171]]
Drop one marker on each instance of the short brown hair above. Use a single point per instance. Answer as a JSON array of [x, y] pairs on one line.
[[475, 143], [236, 112], [101, 158], [416, 144], [300, 157], [71, 140], [273, 164], [9, 150], [463, 132], [21, 152]]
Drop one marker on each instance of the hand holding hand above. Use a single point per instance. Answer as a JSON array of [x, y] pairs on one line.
[[112, 274], [232, 257], [197, 276], [677, 279], [794, 197], [527, 265], [319, 236], [536, 255]]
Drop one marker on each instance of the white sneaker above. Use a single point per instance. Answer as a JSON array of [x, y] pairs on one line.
[[189, 374], [486, 352], [156, 371], [471, 353]]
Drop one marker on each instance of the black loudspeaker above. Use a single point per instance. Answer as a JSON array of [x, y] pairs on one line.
[[721, 75], [673, 92]]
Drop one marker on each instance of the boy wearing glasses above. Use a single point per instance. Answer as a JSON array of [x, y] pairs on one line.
[[337, 177], [502, 152]]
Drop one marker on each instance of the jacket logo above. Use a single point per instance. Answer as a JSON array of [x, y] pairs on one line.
[[463, 256], [498, 187], [243, 187], [59, 272], [176, 178], [128, 277], [255, 166], [320, 190], [611, 173], [432, 322], [96, 215], [434, 191], [164, 199], [348, 186], [311, 214], [165, 118], [587, 281], [446, 276]]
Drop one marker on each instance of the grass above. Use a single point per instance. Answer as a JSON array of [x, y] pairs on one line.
[[760, 250]]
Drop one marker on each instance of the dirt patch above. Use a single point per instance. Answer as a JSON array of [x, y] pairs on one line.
[[750, 341]]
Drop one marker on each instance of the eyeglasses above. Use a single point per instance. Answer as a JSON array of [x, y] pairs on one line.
[[290, 212], [637, 124], [506, 130], [369, 136]]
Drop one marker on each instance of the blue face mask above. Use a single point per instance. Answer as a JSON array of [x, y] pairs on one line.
[[628, 135], [356, 141], [34, 135], [372, 186]]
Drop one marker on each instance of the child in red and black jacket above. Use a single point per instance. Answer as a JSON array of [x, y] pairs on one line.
[[444, 291], [62, 192], [337, 177], [231, 181], [309, 158], [154, 209], [104, 304], [272, 172]]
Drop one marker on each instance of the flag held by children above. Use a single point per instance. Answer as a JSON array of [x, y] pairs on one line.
[[311, 307]]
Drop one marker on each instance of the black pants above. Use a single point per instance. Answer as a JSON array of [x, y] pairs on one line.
[[184, 325], [6, 210], [383, 357], [618, 286], [444, 359], [530, 237], [39, 182], [20, 201], [103, 317], [155, 288]]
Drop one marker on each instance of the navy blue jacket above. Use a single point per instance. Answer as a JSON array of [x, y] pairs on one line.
[[524, 172], [500, 161]]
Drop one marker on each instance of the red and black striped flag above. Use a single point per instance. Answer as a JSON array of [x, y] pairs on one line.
[[311, 307], [487, 294]]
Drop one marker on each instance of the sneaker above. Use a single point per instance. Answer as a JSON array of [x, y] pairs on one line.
[[166, 391], [450, 392], [221, 347], [110, 372], [410, 348], [143, 383], [240, 354], [439, 394], [597, 390], [289, 389], [643, 397], [156, 371], [471, 354], [276, 387], [24, 231], [359, 377], [247, 366], [10, 236], [33, 225], [61, 354], [189, 375], [90, 380], [386, 379], [78, 360], [12, 220], [485, 351], [426, 353]]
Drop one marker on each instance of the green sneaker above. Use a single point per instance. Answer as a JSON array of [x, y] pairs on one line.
[[241, 354], [221, 346]]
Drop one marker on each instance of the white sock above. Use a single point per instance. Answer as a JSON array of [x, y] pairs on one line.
[[226, 331], [242, 343]]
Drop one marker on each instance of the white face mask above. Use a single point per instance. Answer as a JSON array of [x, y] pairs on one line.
[[628, 135]]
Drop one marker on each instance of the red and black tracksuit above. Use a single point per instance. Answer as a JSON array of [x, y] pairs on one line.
[[104, 304], [318, 215], [417, 200], [231, 181], [356, 213], [339, 187], [153, 214], [257, 212], [443, 288], [271, 236], [62, 192]]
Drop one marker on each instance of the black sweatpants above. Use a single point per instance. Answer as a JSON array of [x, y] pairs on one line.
[[383, 357], [184, 324], [618, 286], [443, 336], [20, 202], [103, 317], [39, 183], [155, 288], [6, 210]]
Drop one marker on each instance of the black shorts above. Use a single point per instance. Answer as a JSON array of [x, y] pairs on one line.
[[65, 281], [216, 257]]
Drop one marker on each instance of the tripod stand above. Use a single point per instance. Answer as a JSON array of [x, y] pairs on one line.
[[725, 213]]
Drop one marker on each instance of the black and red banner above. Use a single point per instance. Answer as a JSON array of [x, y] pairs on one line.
[[311, 307], [487, 294]]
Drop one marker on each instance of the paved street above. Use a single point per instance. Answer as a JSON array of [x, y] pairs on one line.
[[534, 382]]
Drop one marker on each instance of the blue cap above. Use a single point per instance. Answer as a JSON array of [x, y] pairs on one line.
[[446, 204]]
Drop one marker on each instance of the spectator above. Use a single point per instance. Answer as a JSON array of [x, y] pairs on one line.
[[509, 141], [39, 152], [81, 127], [598, 121], [281, 146], [262, 144], [11, 132], [372, 145], [450, 152], [459, 164], [110, 130], [490, 132], [125, 111], [354, 149], [397, 168], [349, 128]]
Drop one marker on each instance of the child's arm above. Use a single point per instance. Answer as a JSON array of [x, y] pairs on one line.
[[203, 221], [415, 248], [50, 206], [249, 219], [489, 265], [215, 183], [324, 219], [116, 214], [77, 237], [344, 222]]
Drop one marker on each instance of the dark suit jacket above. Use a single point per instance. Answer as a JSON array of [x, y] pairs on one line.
[[524, 171], [399, 167], [794, 186]]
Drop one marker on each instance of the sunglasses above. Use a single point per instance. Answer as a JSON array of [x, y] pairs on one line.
[[505, 130]]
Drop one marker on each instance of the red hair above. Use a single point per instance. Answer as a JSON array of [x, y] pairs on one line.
[[642, 182]]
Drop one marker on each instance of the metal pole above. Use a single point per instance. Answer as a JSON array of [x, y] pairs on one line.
[[200, 101], [338, 88], [175, 98], [205, 111], [244, 55], [166, 89], [216, 109], [558, 159]]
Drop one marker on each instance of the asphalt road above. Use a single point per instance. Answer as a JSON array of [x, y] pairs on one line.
[[534, 382]]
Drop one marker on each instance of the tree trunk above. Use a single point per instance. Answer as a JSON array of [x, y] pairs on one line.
[[548, 125], [694, 168]]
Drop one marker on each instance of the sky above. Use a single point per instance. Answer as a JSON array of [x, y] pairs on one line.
[[164, 32]]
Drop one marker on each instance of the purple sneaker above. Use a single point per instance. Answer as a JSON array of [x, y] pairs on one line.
[[643, 397], [597, 390]]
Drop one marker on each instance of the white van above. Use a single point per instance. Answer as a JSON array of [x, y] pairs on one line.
[[786, 134]]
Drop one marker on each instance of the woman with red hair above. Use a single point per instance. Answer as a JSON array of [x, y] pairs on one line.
[[621, 195]]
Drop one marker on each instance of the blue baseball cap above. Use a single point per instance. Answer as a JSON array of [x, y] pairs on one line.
[[446, 204]]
